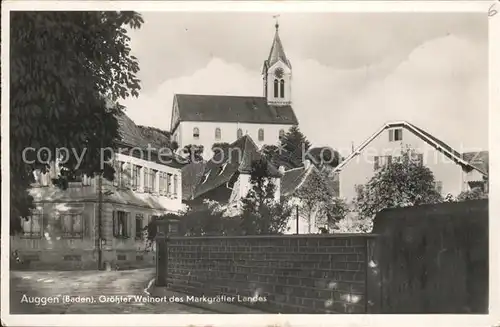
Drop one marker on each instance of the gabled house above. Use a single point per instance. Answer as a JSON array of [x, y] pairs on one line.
[[305, 178], [226, 177], [453, 171], [96, 222]]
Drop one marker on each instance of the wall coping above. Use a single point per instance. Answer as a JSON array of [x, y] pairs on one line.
[[292, 236]]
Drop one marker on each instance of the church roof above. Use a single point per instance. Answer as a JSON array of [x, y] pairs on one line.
[[277, 52], [234, 109]]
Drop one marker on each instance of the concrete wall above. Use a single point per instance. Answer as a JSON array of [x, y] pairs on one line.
[[361, 168], [297, 274], [433, 259]]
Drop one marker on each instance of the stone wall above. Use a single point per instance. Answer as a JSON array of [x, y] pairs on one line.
[[295, 273]]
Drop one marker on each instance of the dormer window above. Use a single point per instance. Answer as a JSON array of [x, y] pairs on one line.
[[206, 177], [223, 168], [395, 134]]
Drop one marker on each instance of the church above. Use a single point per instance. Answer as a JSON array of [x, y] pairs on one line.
[[203, 120]]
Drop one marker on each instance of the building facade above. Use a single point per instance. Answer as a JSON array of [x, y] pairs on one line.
[[453, 172], [207, 119], [95, 223]]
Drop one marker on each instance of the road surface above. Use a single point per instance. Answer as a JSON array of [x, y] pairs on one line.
[[87, 292]]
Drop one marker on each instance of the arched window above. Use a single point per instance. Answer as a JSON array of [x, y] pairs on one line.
[[196, 133], [239, 133], [261, 134], [282, 89], [217, 133], [276, 87], [282, 133]]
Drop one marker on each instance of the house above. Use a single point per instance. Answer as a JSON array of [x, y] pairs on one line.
[[454, 172], [226, 177], [203, 120], [98, 221], [293, 181]]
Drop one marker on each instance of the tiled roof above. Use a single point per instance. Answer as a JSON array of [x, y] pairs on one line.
[[293, 179], [239, 157], [129, 132], [478, 159], [191, 177], [234, 109], [132, 136], [439, 145]]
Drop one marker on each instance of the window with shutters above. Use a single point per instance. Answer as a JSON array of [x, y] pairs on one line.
[[32, 225], [145, 172], [169, 184], [152, 184], [136, 177], [161, 182], [71, 225], [175, 185], [121, 225], [139, 219], [395, 134]]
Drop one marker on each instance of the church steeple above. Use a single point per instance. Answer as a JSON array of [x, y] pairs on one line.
[[277, 52], [277, 74]]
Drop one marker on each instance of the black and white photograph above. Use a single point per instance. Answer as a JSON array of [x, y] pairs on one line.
[[212, 160]]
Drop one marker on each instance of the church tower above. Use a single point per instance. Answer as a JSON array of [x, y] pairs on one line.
[[277, 74]]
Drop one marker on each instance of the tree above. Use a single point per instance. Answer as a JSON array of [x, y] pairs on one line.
[[193, 153], [158, 138], [317, 203], [293, 146], [402, 183], [476, 193], [261, 212], [272, 154], [68, 71], [325, 157]]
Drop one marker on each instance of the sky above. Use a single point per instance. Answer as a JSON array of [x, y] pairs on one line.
[[352, 72]]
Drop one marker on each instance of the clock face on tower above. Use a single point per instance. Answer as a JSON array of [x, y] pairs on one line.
[[279, 72]]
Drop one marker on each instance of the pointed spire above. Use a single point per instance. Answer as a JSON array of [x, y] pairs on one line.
[[277, 52]]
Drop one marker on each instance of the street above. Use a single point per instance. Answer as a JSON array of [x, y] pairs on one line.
[[52, 289]]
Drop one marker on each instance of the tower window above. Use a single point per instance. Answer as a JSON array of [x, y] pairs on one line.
[[196, 133], [239, 133], [276, 88], [217, 133], [261, 134], [282, 89]]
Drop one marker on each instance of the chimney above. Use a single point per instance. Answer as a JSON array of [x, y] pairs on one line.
[[281, 169]]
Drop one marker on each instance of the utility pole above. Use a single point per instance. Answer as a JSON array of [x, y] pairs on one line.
[[297, 216], [99, 223]]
